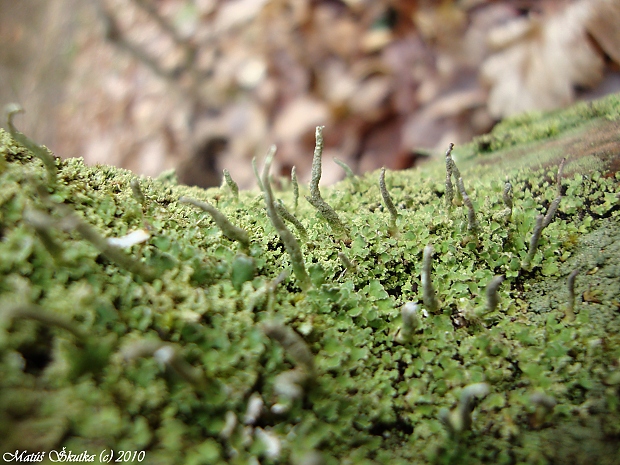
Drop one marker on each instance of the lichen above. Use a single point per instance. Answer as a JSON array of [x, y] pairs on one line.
[[372, 399]]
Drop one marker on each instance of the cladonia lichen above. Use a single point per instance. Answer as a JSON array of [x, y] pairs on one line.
[[196, 348]]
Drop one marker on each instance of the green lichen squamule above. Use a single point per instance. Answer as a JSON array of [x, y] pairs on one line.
[[375, 394]]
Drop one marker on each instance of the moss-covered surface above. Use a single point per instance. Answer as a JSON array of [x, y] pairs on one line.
[[370, 400]]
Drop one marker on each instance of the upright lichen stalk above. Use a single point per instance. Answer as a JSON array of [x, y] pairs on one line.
[[411, 320], [449, 185], [492, 294], [232, 185], [290, 243], [71, 221], [289, 385], [507, 197], [295, 187], [459, 420], [472, 222], [349, 174], [288, 216], [136, 191], [570, 310], [534, 242], [543, 221], [229, 230], [387, 199], [428, 292], [39, 151], [315, 198]]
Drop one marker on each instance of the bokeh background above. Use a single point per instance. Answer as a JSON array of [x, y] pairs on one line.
[[203, 85]]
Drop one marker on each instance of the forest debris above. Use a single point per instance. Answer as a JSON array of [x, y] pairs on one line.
[[539, 61]]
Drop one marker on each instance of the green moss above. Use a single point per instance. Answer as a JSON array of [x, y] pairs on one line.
[[535, 126], [371, 400]]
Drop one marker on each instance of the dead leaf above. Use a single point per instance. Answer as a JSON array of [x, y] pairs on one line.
[[237, 12], [369, 97], [299, 117], [542, 60], [604, 25]]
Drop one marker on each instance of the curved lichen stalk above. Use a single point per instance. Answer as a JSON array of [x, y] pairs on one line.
[[39, 151], [289, 240], [387, 199], [229, 230], [315, 198]]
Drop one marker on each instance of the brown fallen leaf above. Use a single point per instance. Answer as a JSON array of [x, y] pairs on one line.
[[299, 117], [603, 25], [540, 61]]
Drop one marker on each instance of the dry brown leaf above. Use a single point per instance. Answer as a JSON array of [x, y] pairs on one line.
[[454, 104], [604, 26], [235, 76], [369, 97], [443, 24], [541, 62], [235, 13], [299, 117], [335, 32], [376, 39], [337, 84]]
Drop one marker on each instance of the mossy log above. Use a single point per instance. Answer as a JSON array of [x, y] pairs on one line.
[[101, 381]]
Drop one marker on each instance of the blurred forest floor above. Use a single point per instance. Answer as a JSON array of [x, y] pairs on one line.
[[204, 85]]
